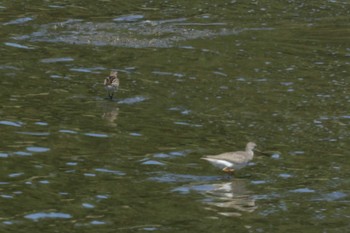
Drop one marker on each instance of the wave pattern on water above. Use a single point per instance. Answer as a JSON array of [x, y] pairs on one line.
[[130, 33]]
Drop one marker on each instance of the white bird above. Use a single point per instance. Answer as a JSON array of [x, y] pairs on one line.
[[231, 161]]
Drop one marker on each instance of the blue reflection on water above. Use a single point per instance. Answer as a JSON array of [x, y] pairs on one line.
[[114, 172], [41, 215], [11, 123], [37, 149], [97, 135], [302, 190]]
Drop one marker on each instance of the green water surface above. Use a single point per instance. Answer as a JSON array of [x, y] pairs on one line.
[[197, 78]]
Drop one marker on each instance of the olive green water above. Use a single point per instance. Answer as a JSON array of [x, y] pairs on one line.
[[197, 78]]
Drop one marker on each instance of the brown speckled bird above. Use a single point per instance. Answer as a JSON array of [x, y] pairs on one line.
[[111, 83]]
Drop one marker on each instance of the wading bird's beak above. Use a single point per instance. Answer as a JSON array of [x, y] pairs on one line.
[[267, 153]]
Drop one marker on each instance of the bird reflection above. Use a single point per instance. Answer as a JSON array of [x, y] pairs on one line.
[[233, 196], [110, 113]]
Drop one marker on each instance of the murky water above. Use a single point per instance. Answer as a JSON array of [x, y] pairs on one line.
[[197, 78]]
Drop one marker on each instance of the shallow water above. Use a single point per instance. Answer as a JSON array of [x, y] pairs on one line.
[[196, 79]]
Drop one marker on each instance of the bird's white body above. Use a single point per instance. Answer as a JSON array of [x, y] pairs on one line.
[[220, 163], [111, 88]]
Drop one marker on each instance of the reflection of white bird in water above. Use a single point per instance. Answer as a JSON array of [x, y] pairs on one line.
[[233, 196], [111, 83], [231, 161]]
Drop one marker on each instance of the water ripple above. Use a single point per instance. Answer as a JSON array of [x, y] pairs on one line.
[[114, 172], [11, 123], [17, 45], [302, 190], [97, 135], [152, 162], [128, 18], [173, 178], [22, 153], [3, 155], [37, 149], [42, 215], [133, 100], [19, 21], [55, 60], [34, 133], [67, 131]]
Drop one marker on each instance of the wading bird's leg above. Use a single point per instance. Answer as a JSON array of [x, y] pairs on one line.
[[110, 95]]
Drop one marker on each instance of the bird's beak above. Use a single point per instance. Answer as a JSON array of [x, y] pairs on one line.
[[267, 153], [259, 151]]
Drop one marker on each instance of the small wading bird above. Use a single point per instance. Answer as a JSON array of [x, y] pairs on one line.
[[111, 84], [231, 161]]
